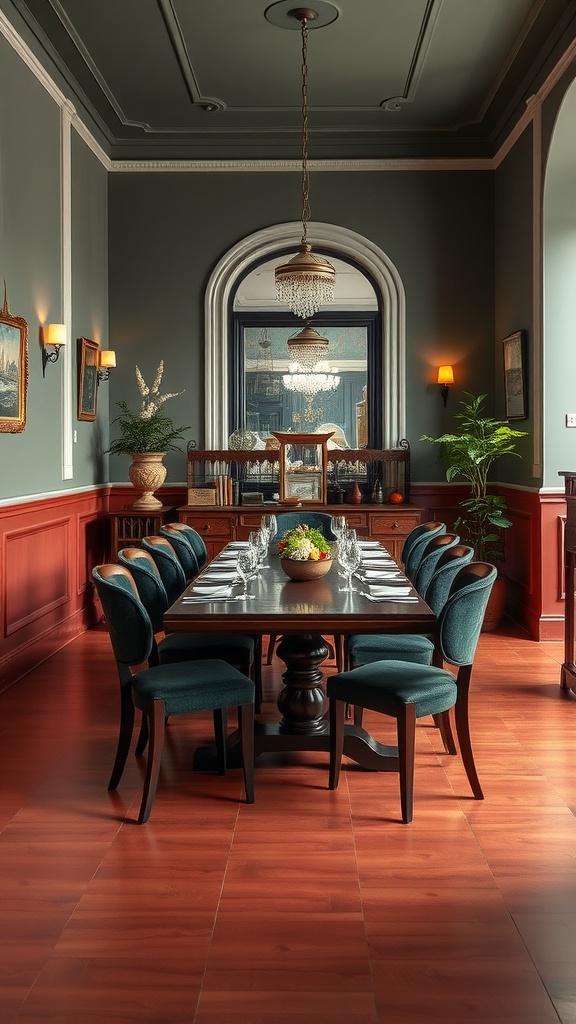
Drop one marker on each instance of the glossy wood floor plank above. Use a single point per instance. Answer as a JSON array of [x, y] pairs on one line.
[[308, 907]]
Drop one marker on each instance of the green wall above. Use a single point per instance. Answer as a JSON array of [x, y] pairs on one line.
[[168, 231]]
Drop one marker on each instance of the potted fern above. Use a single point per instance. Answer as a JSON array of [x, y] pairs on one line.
[[477, 442], [146, 436]]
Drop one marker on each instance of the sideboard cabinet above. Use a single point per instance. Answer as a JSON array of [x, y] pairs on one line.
[[228, 492]]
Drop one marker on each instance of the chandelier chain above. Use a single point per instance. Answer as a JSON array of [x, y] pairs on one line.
[[305, 174]]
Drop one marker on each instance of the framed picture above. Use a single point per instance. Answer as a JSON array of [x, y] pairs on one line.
[[515, 376], [87, 378], [13, 371]]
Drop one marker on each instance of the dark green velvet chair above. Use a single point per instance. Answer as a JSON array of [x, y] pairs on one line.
[[407, 691], [166, 690], [237, 649], [168, 564], [194, 539], [430, 558], [416, 542], [183, 549]]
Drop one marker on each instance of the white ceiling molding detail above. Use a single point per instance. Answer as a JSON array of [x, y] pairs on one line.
[[263, 244]]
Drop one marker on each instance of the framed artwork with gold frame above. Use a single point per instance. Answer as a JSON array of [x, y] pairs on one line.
[[87, 378], [13, 371], [303, 466]]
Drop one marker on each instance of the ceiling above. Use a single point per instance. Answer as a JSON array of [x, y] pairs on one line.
[[218, 80]]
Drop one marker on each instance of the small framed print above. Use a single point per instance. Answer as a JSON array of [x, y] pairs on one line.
[[515, 376], [13, 370], [87, 378]]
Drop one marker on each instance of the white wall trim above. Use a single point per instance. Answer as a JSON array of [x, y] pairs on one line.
[[66, 115], [263, 244]]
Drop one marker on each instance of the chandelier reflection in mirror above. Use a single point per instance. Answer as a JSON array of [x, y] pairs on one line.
[[322, 378]]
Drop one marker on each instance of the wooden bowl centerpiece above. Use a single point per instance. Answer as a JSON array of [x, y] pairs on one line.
[[304, 553]]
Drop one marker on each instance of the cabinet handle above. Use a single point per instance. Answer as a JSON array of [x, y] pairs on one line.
[[395, 526], [206, 527]]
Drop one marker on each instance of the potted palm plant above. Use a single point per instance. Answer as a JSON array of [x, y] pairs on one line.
[[471, 450], [146, 436]]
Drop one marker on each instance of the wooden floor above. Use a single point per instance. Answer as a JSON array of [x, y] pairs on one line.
[[308, 907]]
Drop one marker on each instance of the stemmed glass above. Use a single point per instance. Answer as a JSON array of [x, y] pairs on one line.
[[258, 543], [349, 557], [245, 567], [269, 523], [338, 525]]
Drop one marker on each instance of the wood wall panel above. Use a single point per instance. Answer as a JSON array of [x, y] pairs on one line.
[[48, 548]]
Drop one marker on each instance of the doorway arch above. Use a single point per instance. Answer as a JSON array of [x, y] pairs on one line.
[[263, 244]]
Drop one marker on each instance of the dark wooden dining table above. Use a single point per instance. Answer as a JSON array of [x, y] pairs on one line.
[[303, 614]]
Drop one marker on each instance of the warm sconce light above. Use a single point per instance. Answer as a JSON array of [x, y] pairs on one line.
[[445, 380], [106, 362], [53, 338]]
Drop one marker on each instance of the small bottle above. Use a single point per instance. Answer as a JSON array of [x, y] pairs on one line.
[[355, 494], [377, 493]]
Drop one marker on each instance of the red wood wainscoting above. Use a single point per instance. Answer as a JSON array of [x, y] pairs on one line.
[[534, 562], [48, 549]]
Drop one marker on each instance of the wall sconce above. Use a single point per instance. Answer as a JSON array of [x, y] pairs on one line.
[[106, 362], [445, 380], [53, 338]]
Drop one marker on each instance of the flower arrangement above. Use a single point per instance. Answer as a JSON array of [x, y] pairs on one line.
[[148, 430], [303, 544]]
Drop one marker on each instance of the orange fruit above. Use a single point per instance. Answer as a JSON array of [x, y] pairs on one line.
[[396, 498]]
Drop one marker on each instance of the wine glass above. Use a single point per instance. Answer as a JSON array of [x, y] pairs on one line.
[[258, 544], [269, 523], [338, 525], [349, 557], [245, 567]]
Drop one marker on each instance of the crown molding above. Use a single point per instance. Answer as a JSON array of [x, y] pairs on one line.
[[271, 166]]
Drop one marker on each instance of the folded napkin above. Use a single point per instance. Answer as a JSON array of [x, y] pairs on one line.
[[211, 592], [238, 544], [391, 599], [369, 543], [219, 576], [380, 563], [394, 591], [227, 556], [375, 574]]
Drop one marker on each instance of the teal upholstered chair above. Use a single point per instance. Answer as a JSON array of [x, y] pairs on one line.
[[415, 544], [166, 690], [235, 648], [183, 549], [192, 536], [407, 691], [318, 520], [430, 557], [168, 564]]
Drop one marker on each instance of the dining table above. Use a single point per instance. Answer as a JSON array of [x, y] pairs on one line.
[[303, 613]]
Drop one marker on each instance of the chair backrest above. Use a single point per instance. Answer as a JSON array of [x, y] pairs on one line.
[[449, 564], [171, 572], [430, 557], [461, 618], [129, 625], [194, 539], [318, 520], [151, 590], [184, 550], [427, 530], [418, 546]]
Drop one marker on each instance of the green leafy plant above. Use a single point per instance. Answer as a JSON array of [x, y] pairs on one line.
[[148, 430], [470, 451], [304, 543]]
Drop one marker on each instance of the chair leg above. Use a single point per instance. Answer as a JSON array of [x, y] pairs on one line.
[[271, 645], [156, 720], [337, 711], [358, 715], [406, 728], [257, 674], [463, 731], [220, 716], [444, 726], [246, 723], [142, 737], [124, 736]]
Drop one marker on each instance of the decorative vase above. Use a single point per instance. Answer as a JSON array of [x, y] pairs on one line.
[[304, 571], [147, 474], [377, 493], [355, 494]]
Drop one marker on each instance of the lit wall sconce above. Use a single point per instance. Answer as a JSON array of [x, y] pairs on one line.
[[106, 362], [445, 380], [53, 338]]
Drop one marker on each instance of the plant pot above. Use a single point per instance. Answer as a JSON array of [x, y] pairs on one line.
[[147, 474], [303, 571], [496, 603]]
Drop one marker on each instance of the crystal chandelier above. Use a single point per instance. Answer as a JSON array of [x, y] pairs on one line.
[[322, 378], [307, 347], [306, 282]]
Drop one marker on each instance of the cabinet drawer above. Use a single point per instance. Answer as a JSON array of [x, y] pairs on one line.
[[210, 525], [393, 524], [356, 520]]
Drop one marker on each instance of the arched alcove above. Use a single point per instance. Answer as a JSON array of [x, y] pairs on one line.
[[263, 244], [559, 315]]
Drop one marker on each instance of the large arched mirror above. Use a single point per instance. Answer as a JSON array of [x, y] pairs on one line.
[[341, 392]]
